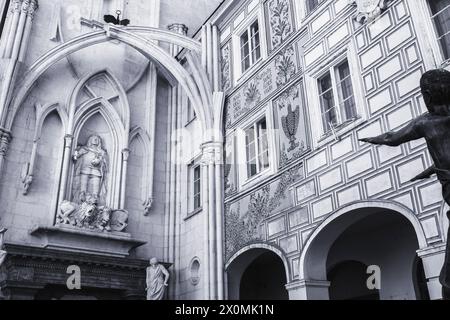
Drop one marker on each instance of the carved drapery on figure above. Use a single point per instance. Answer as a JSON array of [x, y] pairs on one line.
[[157, 280], [88, 207]]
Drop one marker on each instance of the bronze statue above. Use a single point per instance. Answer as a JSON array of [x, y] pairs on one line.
[[435, 128]]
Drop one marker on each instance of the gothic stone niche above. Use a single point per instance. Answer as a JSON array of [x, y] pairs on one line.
[[88, 207], [292, 126]]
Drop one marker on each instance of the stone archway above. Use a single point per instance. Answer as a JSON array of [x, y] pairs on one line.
[[196, 86], [258, 272], [365, 232]]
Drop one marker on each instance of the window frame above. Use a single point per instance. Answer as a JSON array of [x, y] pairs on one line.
[[309, 10], [346, 52], [244, 180], [191, 206], [432, 16], [256, 16], [249, 33], [333, 72], [195, 194], [190, 113], [258, 154]]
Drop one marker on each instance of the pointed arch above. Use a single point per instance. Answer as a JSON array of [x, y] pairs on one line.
[[201, 99], [124, 107], [119, 143], [264, 246], [308, 269], [43, 111]]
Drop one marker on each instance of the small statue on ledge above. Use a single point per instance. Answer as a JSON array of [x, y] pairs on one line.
[[157, 280], [2, 252], [435, 128]]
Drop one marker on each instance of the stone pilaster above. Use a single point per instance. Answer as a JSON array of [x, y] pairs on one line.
[[433, 260]]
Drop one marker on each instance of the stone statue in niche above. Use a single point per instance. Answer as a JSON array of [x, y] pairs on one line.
[[2, 252], [435, 128], [87, 211], [157, 280], [91, 170]]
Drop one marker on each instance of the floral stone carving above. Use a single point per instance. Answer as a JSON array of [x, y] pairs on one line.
[[280, 21]]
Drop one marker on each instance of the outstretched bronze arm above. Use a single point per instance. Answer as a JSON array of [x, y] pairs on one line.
[[394, 139], [425, 175]]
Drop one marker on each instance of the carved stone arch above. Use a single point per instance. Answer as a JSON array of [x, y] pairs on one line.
[[124, 107], [309, 268], [43, 111], [202, 102], [264, 246], [237, 266]]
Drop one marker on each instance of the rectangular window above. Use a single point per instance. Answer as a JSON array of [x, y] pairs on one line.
[[441, 18], [250, 46], [3, 14], [257, 148], [337, 99], [196, 196], [312, 4], [190, 112]]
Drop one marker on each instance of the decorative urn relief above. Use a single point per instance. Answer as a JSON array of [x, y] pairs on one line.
[[91, 214]]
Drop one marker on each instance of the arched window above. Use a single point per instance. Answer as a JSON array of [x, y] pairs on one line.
[[440, 10]]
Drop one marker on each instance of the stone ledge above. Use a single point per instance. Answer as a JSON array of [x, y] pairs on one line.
[[70, 239]]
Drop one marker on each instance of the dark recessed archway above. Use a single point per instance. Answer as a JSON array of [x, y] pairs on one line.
[[264, 279], [257, 274], [382, 239], [348, 281]]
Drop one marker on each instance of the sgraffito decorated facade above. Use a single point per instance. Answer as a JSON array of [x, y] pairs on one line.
[[232, 154]]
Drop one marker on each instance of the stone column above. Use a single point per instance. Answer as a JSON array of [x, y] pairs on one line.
[[8, 39], [123, 185], [27, 32], [68, 141], [433, 260], [213, 164], [308, 290], [14, 43]]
